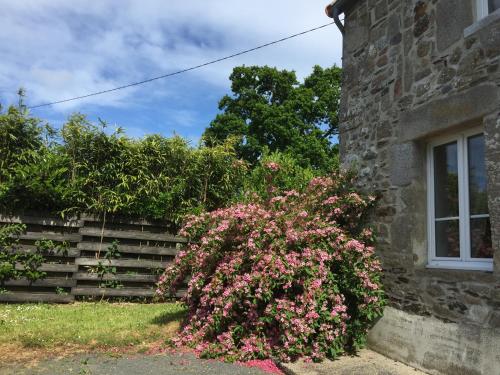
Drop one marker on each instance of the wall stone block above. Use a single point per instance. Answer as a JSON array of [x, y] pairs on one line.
[[451, 20]]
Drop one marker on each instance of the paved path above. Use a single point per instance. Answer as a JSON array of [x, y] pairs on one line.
[[366, 362], [165, 364]]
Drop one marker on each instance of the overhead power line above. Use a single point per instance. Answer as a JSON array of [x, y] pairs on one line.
[[183, 70]]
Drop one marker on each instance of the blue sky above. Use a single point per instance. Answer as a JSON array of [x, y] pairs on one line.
[[57, 49]]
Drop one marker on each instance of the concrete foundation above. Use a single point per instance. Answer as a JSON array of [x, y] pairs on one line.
[[437, 347]]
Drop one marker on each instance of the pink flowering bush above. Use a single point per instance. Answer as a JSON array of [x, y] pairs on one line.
[[291, 276]]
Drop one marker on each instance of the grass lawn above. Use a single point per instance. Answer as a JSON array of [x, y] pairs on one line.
[[35, 330]]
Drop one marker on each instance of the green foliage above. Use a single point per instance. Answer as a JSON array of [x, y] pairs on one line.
[[29, 262], [49, 247], [20, 137], [9, 235], [61, 291], [106, 268], [86, 168], [287, 175], [89, 168], [271, 109], [289, 276], [31, 175]]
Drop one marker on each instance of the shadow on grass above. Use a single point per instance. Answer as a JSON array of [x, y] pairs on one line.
[[168, 317]]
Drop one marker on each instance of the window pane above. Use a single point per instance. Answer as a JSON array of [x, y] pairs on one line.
[[447, 239], [478, 195], [446, 180], [480, 238], [493, 5]]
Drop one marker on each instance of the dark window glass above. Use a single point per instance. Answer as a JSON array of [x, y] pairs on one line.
[[448, 239], [478, 195], [493, 5], [480, 238], [446, 180]]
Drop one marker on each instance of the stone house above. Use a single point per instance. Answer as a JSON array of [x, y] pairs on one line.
[[420, 120]]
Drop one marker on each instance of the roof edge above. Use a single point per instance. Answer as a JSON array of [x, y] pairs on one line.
[[335, 9]]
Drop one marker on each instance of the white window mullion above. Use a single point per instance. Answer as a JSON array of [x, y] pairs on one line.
[[431, 237], [464, 209], [481, 9], [482, 216], [461, 197], [447, 218]]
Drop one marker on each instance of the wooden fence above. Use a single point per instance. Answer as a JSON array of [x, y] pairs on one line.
[[83, 270]]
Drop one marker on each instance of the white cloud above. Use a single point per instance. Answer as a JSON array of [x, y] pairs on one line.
[[58, 49]]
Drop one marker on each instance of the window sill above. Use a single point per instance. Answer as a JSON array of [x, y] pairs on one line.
[[482, 23], [465, 266]]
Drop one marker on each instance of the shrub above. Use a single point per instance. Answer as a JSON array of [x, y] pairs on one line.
[[294, 275]]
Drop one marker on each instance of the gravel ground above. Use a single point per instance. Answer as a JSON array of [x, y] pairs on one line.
[[165, 364], [366, 362]]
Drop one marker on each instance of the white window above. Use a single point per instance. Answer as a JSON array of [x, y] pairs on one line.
[[485, 7], [459, 221]]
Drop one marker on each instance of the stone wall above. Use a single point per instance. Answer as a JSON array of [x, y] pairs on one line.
[[413, 70]]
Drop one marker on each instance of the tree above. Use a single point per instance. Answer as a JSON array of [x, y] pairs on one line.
[[270, 109]]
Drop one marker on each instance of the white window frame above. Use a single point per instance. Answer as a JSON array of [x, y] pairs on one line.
[[464, 262], [481, 9]]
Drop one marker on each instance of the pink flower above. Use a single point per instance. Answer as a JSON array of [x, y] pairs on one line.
[[302, 214], [272, 166], [274, 278]]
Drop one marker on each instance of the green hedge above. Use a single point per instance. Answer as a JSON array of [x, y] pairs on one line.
[[88, 168]]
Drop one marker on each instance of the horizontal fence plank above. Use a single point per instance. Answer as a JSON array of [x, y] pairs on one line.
[[85, 276], [53, 267], [128, 249], [121, 220], [131, 234], [19, 297], [121, 263], [46, 221], [69, 237], [52, 282], [119, 292], [113, 292], [25, 249]]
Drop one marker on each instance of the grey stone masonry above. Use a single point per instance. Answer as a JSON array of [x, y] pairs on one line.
[[411, 73]]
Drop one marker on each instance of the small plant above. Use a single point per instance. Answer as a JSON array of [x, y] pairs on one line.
[[105, 268], [31, 263], [9, 238], [157, 271], [114, 284], [15, 264], [49, 247], [61, 291], [112, 251]]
